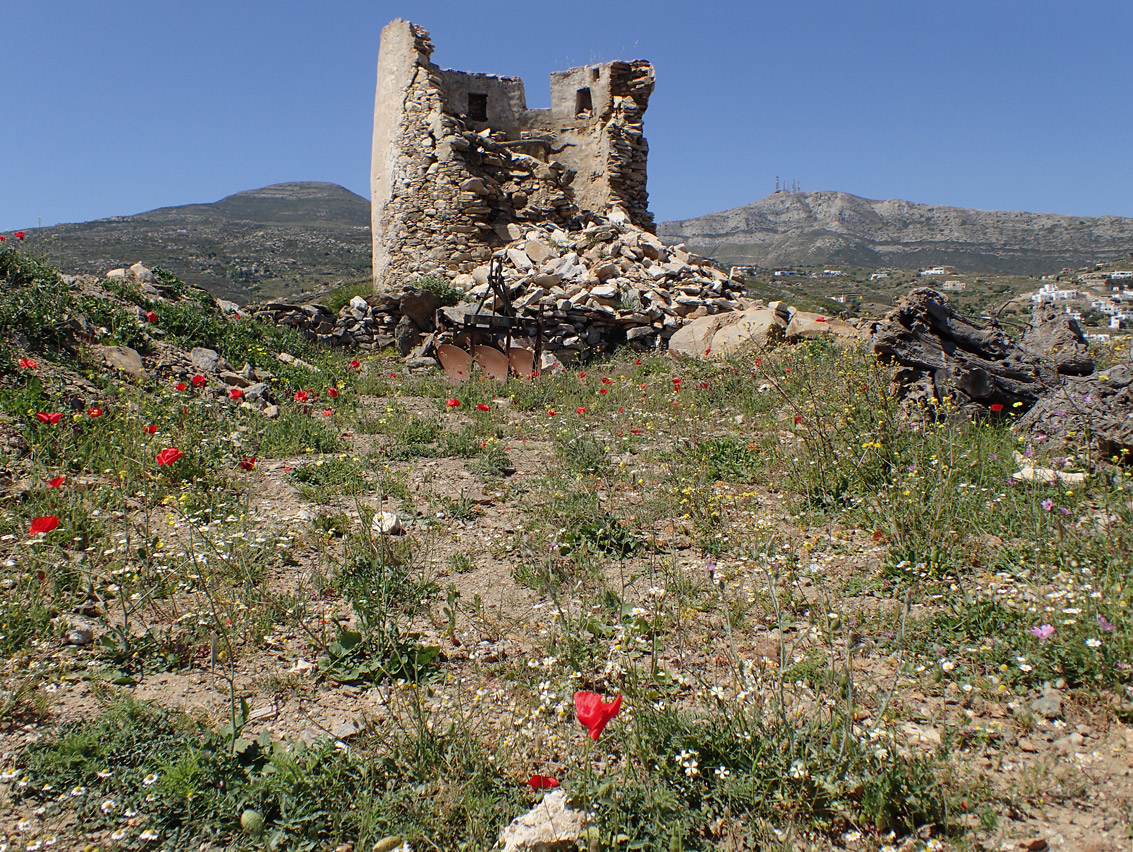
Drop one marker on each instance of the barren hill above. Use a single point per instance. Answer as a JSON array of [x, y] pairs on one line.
[[816, 228], [262, 243]]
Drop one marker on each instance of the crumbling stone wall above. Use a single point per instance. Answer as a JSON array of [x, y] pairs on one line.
[[461, 166]]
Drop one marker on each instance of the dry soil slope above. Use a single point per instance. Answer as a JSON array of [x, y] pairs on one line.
[[269, 242], [817, 228]]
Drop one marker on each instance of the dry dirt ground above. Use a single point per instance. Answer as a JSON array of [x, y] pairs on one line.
[[1061, 779]]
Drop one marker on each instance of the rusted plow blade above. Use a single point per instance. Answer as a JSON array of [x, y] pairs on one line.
[[496, 327], [493, 363], [522, 361], [456, 362]]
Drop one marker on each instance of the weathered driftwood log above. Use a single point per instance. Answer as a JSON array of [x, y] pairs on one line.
[[1044, 377], [1094, 413], [1055, 335], [942, 355]]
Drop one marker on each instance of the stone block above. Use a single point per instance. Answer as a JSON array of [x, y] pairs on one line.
[[538, 251]]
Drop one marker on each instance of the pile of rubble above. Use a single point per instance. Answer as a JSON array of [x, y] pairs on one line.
[[371, 323], [609, 284]]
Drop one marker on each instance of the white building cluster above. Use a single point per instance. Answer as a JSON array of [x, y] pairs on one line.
[[1051, 292], [1118, 305]]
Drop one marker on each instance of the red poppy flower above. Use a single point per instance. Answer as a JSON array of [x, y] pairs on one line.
[[3, 239], [300, 396], [997, 406], [637, 361], [543, 782], [235, 393], [198, 381], [635, 431], [151, 316], [247, 463], [582, 375], [168, 456], [551, 412], [181, 386], [150, 429], [355, 364], [452, 403], [327, 412], [19, 235], [606, 381], [482, 407], [56, 482], [43, 525], [95, 411], [603, 391], [580, 410], [393, 375], [621, 411], [49, 417], [798, 419], [27, 364], [595, 713], [332, 393]]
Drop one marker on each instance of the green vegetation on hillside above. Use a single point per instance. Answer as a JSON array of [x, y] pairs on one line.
[[274, 243], [826, 628]]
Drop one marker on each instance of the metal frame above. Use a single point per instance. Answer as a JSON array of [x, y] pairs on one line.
[[504, 320]]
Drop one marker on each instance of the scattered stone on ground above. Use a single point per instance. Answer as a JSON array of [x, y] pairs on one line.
[[123, 359], [387, 523], [551, 826], [1049, 704]]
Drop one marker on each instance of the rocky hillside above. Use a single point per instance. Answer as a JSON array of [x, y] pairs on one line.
[[835, 228], [267, 243]]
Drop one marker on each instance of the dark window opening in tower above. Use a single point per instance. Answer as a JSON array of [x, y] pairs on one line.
[[583, 102], [477, 107]]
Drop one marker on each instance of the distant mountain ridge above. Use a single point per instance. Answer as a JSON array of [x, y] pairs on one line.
[[279, 241], [273, 242], [836, 228]]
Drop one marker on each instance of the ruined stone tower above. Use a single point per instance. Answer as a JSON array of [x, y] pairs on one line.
[[460, 164]]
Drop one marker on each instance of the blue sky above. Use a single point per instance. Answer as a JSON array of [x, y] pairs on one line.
[[120, 106]]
